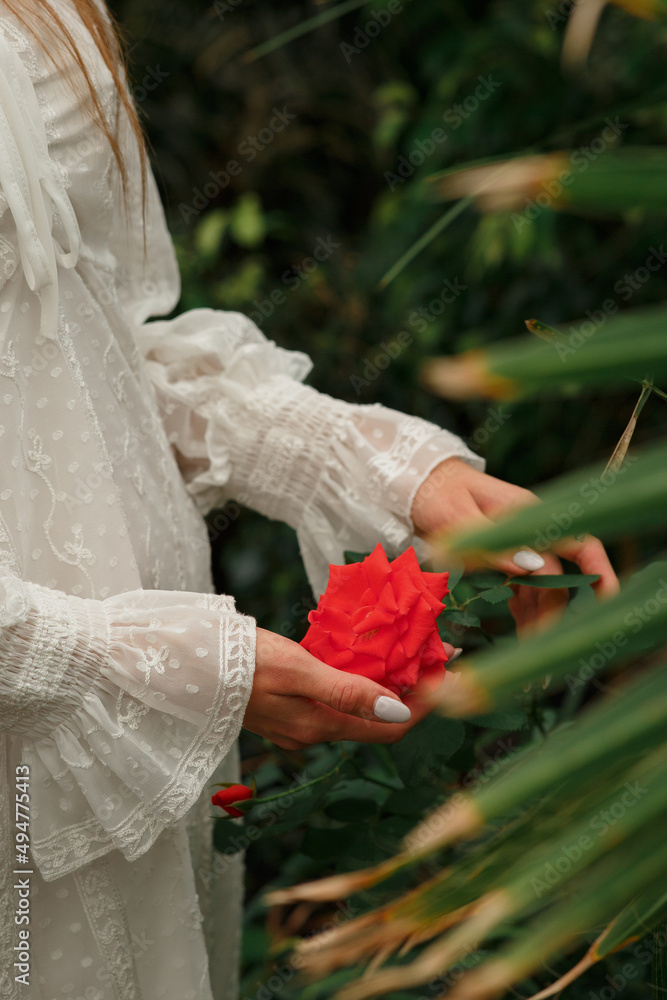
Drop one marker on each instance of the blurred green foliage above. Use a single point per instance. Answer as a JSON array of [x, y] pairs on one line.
[[292, 184]]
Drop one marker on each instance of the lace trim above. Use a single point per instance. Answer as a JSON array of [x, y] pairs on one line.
[[388, 467], [73, 846], [106, 916]]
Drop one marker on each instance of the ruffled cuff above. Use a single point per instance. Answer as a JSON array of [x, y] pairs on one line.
[[122, 709], [343, 476], [245, 428]]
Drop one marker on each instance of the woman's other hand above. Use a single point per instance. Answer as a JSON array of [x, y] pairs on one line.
[[456, 496]]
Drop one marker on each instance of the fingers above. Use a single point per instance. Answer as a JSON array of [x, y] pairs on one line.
[[590, 557], [294, 722], [348, 694], [477, 500], [283, 667], [297, 700], [535, 609], [494, 497]]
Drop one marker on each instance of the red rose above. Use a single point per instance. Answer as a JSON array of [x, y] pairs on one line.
[[235, 793], [378, 619]]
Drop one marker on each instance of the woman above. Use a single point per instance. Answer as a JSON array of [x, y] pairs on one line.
[[124, 681]]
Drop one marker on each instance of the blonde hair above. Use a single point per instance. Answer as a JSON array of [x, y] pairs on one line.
[[41, 20]]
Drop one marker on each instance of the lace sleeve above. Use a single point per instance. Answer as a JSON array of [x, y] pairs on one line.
[[244, 427], [122, 709]]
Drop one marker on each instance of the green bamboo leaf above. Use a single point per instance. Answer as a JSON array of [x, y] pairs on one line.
[[606, 504], [627, 807], [598, 893], [641, 712], [619, 181], [507, 718], [614, 877], [547, 333], [604, 349], [552, 831], [635, 920]]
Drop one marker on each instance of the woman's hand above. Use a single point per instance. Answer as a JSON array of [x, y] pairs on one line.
[[457, 496], [297, 700]]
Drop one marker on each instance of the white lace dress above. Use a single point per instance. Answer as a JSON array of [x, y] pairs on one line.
[[123, 678]]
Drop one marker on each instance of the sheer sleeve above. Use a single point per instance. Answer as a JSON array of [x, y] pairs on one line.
[[244, 427], [122, 709]]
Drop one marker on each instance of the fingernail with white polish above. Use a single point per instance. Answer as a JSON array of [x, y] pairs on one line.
[[455, 654], [528, 560], [390, 710]]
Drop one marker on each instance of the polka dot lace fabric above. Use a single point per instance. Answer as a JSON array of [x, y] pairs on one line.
[[123, 678]]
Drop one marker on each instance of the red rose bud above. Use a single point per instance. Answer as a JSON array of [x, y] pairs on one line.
[[378, 619], [235, 793]]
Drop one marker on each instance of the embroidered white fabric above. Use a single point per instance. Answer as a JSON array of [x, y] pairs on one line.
[[123, 678]]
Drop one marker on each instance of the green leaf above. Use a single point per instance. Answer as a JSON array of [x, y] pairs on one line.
[[461, 618], [607, 353], [496, 594], [352, 810], [413, 802], [327, 845], [428, 744], [554, 582]]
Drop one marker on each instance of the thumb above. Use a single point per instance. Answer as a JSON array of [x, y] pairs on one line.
[[351, 694]]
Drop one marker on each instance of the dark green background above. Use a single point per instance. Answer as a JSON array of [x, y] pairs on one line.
[[324, 178]]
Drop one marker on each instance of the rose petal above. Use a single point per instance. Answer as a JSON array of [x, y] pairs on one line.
[[377, 569], [369, 666], [437, 583]]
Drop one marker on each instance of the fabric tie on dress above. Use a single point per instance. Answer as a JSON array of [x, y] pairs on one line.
[[33, 188]]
